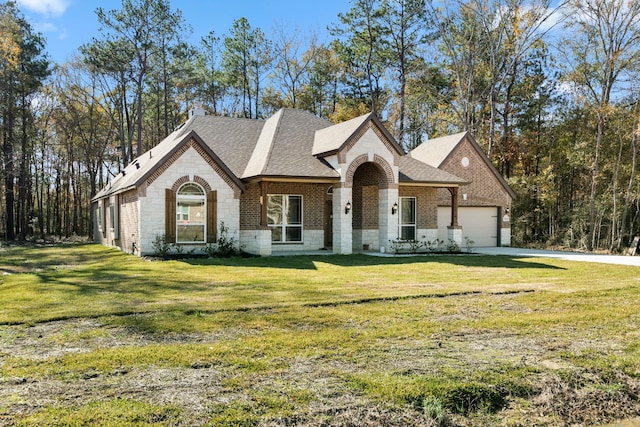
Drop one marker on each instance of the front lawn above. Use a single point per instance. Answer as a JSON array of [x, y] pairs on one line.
[[91, 336]]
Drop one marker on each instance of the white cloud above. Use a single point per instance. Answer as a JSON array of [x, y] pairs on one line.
[[46, 7], [45, 27]]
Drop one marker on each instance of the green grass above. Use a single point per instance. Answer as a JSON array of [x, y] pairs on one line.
[[473, 339], [111, 412]]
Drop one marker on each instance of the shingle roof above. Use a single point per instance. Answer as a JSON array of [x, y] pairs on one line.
[[230, 141], [434, 151], [331, 138], [415, 171], [285, 147], [288, 144]]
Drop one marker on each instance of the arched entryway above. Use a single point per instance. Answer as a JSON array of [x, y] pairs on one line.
[[370, 190], [367, 181]]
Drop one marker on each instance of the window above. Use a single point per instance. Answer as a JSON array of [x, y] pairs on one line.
[[99, 215], [407, 218], [190, 214], [112, 216], [284, 217]]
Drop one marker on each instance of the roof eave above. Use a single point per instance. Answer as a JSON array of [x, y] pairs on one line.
[[99, 197], [326, 154], [439, 184], [289, 178], [192, 135]]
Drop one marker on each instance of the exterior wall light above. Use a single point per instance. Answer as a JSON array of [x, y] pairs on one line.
[[347, 207], [394, 208]]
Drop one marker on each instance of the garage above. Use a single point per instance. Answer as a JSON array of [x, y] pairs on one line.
[[479, 224]]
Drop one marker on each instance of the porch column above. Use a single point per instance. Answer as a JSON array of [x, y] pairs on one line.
[[342, 220], [454, 231], [387, 222], [261, 242], [454, 206]]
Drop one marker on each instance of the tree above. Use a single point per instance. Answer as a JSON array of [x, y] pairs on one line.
[[361, 47], [405, 25], [291, 66], [484, 43], [320, 94], [131, 38], [246, 56], [23, 68], [605, 44], [81, 116], [209, 73]]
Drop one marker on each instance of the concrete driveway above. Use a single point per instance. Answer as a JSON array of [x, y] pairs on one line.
[[571, 256]]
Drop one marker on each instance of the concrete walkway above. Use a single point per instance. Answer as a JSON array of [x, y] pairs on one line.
[[570, 256]]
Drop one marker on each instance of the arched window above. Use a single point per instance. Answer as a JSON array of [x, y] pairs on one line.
[[191, 214]]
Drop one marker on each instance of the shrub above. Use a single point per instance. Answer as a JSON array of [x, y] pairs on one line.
[[226, 246], [468, 243], [453, 246], [160, 246]]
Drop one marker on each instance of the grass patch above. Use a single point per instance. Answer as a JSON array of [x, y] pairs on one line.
[[488, 392], [121, 412], [450, 340]]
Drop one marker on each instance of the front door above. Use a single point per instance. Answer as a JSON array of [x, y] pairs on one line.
[[328, 224]]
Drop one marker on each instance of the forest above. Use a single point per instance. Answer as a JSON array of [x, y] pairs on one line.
[[548, 89]]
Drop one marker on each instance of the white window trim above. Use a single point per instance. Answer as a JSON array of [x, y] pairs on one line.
[[284, 225], [415, 217], [99, 214], [202, 198]]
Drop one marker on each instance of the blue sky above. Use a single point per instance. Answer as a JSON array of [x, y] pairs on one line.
[[67, 24]]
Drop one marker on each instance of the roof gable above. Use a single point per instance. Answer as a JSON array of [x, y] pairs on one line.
[[437, 151], [342, 136], [150, 165]]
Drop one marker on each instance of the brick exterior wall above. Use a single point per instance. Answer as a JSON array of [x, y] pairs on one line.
[[367, 180], [313, 197], [426, 205], [313, 215], [129, 220], [250, 208], [485, 188], [125, 233]]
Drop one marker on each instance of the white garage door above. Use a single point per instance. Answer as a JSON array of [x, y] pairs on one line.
[[479, 224]]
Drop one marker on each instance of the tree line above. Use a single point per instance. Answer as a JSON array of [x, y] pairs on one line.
[[549, 91]]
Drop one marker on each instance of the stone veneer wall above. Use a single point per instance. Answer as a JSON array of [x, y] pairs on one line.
[[195, 168]]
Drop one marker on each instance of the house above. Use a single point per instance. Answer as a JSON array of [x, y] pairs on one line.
[[483, 208], [293, 182]]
